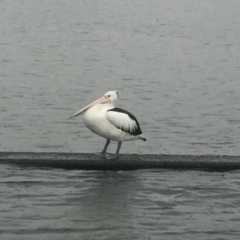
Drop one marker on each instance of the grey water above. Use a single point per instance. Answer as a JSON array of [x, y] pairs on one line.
[[176, 65], [59, 204]]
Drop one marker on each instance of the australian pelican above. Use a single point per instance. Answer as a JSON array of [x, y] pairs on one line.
[[110, 122]]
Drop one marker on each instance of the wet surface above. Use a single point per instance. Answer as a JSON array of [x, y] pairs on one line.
[[125, 162]]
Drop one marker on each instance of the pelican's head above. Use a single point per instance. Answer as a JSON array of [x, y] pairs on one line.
[[113, 96], [110, 97]]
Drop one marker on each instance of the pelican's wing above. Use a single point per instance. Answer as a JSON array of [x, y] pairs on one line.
[[124, 121]]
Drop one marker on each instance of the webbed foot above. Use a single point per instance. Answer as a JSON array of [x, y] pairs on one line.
[[100, 154], [110, 156]]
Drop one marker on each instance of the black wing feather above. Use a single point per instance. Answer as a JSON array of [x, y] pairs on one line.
[[137, 130]]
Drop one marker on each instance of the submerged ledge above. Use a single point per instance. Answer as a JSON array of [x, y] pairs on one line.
[[89, 161]]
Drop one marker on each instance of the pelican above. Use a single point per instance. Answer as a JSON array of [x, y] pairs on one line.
[[110, 122]]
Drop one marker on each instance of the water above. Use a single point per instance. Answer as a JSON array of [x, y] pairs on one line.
[[58, 204], [176, 65]]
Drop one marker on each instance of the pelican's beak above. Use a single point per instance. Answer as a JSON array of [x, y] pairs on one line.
[[98, 101]]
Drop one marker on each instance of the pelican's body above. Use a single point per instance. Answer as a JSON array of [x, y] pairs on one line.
[[105, 120], [95, 118]]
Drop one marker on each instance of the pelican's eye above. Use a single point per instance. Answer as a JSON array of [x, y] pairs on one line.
[[109, 96]]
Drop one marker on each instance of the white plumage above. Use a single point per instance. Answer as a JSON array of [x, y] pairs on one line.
[[104, 119]]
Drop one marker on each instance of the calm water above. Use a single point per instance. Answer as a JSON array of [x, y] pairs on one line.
[[58, 204], [176, 65]]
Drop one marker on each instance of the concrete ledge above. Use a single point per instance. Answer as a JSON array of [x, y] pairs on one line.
[[88, 161]]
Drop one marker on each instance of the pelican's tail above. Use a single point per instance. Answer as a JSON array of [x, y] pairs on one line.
[[142, 137]]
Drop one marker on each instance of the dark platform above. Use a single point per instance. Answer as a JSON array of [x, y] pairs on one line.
[[88, 161]]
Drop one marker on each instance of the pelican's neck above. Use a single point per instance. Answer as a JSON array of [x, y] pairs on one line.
[[108, 105]]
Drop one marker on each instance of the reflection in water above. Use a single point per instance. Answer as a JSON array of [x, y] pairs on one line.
[[107, 201], [118, 205]]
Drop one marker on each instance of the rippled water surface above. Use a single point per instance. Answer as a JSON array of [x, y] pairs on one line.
[[58, 204], [176, 65]]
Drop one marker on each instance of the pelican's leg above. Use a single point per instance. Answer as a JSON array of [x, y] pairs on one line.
[[113, 156], [103, 152], [118, 148], [105, 147]]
